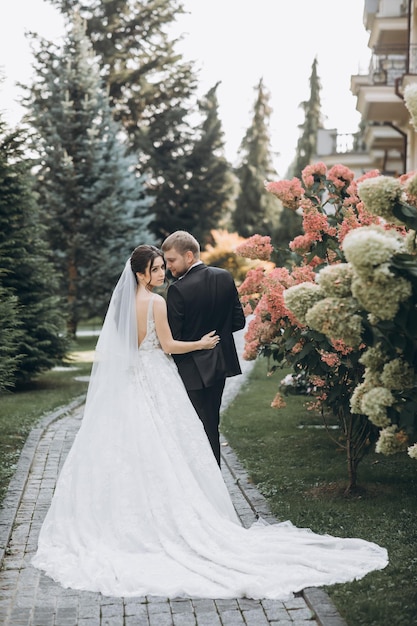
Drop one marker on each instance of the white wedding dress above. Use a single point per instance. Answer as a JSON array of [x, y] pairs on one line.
[[141, 508]]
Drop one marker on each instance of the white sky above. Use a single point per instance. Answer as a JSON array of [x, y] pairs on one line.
[[236, 42]]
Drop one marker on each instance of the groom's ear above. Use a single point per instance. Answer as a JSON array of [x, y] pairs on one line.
[[189, 257]]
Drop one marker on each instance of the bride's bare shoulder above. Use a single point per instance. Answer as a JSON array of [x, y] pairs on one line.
[[159, 301]]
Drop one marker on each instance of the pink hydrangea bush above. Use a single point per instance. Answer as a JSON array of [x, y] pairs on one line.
[[330, 202]]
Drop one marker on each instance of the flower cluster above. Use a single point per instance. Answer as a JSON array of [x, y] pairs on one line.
[[410, 100], [264, 293], [340, 176], [374, 285], [336, 280], [409, 183], [391, 441], [314, 173], [222, 253], [412, 451], [355, 280], [251, 288], [278, 402], [370, 246], [256, 247], [380, 195], [373, 397], [338, 319], [374, 404], [290, 192], [300, 298]]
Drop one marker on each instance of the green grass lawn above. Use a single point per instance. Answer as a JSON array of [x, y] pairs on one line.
[[20, 411], [303, 475]]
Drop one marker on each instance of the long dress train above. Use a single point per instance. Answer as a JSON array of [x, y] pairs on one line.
[[141, 508]]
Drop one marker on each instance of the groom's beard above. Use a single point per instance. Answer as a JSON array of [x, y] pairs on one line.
[[170, 276]]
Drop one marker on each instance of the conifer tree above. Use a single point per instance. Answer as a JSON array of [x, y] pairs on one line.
[[96, 204], [150, 87], [9, 337], [32, 317], [209, 181], [307, 142], [256, 212]]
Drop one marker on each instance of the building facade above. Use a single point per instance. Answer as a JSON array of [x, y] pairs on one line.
[[386, 140]]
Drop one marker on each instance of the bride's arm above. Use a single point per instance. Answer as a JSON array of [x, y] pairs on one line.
[[172, 346]]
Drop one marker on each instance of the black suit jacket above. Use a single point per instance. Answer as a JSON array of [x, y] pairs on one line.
[[205, 299]]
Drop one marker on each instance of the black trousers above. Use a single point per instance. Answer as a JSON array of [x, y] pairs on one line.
[[207, 403]]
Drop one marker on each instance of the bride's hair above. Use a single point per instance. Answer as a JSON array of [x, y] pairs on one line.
[[141, 256]]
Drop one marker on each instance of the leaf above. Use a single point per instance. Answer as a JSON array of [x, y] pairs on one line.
[[405, 213], [411, 323], [306, 350], [406, 262]]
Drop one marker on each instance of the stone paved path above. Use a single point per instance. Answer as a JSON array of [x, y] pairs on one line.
[[29, 598]]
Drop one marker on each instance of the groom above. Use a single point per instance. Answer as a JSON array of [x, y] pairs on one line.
[[200, 300]]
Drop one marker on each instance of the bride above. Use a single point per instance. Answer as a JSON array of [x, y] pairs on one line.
[[140, 507]]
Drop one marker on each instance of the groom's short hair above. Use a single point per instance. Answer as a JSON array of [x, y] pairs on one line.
[[182, 242]]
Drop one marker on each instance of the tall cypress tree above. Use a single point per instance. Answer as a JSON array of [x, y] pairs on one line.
[[32, 315], [208, 182], [256, 210], [96, 204], [307, 143]]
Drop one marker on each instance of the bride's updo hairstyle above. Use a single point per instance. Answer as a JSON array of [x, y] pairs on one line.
[[142, 256]]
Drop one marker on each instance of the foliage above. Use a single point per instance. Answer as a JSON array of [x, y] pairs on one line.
[[382, 262], [205, 194], [223, 253], [95, 202], [148, 82], [152, 93], [354, 328], [256, 212], [307, 143], [32, 315], [9, 338], [281, 299]]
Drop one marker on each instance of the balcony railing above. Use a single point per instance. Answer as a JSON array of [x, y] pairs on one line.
[[390, 64], [329, 141]]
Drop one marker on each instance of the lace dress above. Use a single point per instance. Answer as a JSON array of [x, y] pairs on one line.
[[141, 508]]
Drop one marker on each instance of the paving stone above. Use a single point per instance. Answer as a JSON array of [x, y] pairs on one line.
[[136, 621], [160, 619], [184, 619], [301, 614], [139, 611], [276, 613], [297, 602], [112, 610], [112, 620], [255, 617], [209, 619], [181, 606], [43, 617], [66, 614], [88, 611], [232, 617], [20, 616]]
